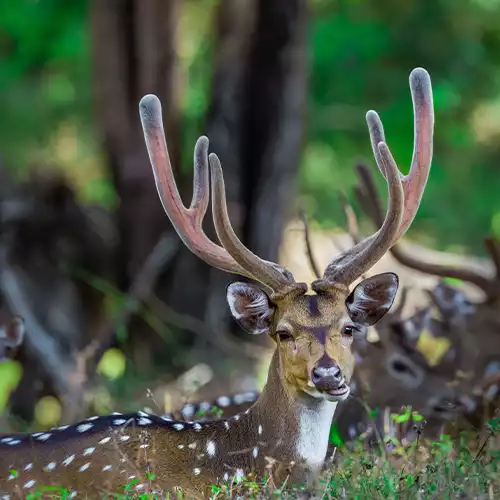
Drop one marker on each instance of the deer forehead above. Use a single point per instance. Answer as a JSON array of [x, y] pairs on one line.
[[310, 312]]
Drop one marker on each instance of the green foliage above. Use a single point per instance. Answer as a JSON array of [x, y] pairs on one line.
[[44, 75], [10, 376], [360, 53]]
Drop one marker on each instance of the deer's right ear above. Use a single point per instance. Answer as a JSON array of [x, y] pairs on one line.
[[250, 307]]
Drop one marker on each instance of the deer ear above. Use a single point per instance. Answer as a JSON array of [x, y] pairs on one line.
[[250, 307], [369, 302], [14, 334]]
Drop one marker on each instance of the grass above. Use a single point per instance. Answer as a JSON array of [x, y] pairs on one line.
[[464, 467]]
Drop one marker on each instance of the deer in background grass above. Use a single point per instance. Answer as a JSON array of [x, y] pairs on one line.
[[11, 338], [476, 326], [284, 435]]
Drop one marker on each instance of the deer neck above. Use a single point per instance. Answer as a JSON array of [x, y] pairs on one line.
[[295, 427]]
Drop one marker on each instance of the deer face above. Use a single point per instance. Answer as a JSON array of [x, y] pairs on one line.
[[414, 364], [11, 337], [314, 332]]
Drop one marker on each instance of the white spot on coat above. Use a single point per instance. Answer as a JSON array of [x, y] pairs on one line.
[[68, 460], [211, 449], [84, 427]]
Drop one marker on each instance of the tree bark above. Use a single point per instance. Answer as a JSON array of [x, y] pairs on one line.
[[254, 123], [256, 120], [133, 55]]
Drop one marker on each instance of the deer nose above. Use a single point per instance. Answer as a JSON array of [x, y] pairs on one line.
[[327, 377], [324, 372]]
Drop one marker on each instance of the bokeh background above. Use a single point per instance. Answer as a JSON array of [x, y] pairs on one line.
[[116, 309]]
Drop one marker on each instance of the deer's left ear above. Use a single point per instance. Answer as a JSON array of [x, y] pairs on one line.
[[250, 307], [369, 302]]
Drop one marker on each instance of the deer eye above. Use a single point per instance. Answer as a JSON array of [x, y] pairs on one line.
[[348, 331], [284, 336]]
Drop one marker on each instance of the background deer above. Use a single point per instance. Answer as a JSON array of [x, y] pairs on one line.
[[11, 337], [284, 435], [473, 324]]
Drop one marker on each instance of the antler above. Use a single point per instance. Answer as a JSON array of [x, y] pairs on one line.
[[370, 202], [232, 256], [307, 240], [405, 191]]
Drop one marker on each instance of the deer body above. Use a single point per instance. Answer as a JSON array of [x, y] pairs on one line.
[[280, 437], [284, 436]]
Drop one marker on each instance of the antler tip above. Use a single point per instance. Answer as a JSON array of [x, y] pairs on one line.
[[374, 122], [150, 108], [202, 142], [214, 161], [419, 73], [149, 100], [420, 84]]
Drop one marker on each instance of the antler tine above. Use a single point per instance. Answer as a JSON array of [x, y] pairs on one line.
[[187, 222], [277, 278], [364, 255], [367, 195], [414, 183], [492, 245], [307, 239], [361, 257], [371, 206], [351, 219]]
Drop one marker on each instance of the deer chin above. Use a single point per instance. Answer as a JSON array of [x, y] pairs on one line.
[[340, 394], [332, 395]]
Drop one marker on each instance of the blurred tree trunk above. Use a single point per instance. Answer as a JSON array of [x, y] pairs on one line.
[[133, 55], [256, 119], [255, 124]]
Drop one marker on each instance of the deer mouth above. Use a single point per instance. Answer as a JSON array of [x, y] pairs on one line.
[[340, 392]]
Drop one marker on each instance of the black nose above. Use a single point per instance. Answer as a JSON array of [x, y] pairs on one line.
[[327, 377], [327, 372]]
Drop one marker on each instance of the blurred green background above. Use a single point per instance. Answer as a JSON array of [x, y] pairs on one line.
[[360, 55]]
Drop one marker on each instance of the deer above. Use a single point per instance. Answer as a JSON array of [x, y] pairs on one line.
[[476, 325], [11, 338], [394, 372], [284, 435]]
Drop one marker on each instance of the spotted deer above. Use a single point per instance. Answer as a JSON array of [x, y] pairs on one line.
[[394, 372], [414, 364], [476, 325], [284, 435]]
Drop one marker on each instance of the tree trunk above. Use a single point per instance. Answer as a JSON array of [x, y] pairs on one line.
[[134, 54], [254, 123], [256, 120]]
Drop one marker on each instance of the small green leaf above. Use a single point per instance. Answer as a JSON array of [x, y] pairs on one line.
[[335, 437]]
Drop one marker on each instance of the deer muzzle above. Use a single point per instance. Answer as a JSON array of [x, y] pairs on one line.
[[328, 379]]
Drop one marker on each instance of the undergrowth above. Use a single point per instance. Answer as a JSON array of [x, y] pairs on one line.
[[449, 468]]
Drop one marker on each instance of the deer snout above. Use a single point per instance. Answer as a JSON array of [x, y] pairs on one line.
[[331, 372], [328, 378]]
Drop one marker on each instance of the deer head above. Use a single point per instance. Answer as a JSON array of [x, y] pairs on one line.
[[414, 364], [285, 434], [11, 338], [474, 326]]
